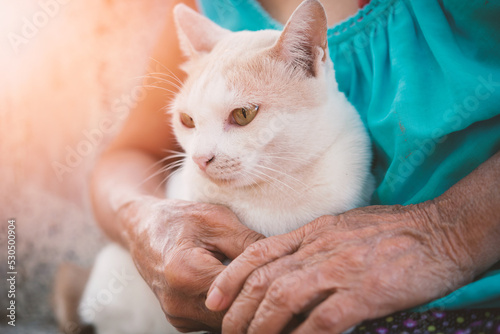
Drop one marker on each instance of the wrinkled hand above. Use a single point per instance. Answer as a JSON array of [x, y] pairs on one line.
[[178, 247], [340, 270]]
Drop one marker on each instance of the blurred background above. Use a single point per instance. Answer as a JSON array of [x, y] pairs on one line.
[[69, 73]]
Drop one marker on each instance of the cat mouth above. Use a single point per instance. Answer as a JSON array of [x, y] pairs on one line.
[[222, 176]]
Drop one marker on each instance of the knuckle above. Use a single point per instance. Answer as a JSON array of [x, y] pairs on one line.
[[217, 210], [179, 273], [203, 211], [321, 223], [178, 280], [230, 323], [172, 280], [278, 294], [257, 250], [357, 258], [223, 210], [256, 282], [323, 220], [250, 237]]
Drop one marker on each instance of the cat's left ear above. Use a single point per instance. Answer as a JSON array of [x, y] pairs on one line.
[[197, 34], [303, 42]]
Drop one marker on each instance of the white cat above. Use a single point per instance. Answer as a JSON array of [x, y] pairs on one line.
[[266, 133]]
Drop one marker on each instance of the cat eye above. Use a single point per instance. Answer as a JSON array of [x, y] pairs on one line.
[[187, 120], [243, 116]]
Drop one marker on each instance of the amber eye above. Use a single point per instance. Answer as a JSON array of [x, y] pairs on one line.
[[187, 120], [243, 116]]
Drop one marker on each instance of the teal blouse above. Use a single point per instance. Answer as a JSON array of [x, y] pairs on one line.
[[425, 77]]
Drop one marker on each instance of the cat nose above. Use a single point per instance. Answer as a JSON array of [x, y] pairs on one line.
[[203, 160]]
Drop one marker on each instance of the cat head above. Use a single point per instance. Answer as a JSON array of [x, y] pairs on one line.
[[254, 107]]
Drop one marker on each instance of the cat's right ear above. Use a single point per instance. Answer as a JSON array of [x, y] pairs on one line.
[[303, 42], [197, 34]]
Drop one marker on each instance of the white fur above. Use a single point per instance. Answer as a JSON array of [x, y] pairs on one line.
[[306, 153], [118, 301]]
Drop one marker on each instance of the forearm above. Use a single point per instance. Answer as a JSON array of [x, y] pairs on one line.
[[118, 180], [470, 210]]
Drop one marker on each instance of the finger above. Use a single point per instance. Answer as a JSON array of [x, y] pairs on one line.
[[229, 283], [242, 311], [290, 295], [192, 271], [235, 240], [336, 314], [188, 284], [190, 313], [186, 325], [227, 234]]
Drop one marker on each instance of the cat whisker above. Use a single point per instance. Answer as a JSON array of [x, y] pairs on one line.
[[167, 69], [274, 179], [162, 88], [161, 80], [165, 179], [167, 75], [284, 174], [293, 157], [158, 80], [165, 169], [157, 75], [266, 179], [161, 171], [174, 152], [246, 176], [172, 166], [173, 155]]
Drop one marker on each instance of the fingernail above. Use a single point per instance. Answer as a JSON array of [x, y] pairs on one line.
[[214, 299]]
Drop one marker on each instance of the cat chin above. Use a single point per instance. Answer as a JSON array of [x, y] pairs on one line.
[[236, 181]]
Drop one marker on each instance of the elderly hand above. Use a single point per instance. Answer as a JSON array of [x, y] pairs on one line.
[[178, 247], [340, 270]]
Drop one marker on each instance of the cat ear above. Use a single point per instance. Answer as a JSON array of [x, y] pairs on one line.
[[303, 41], [197, 34]]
